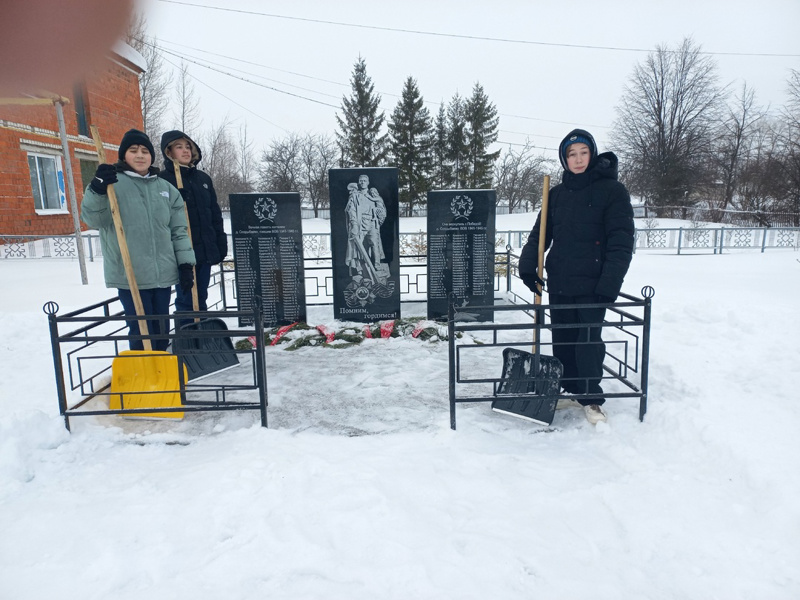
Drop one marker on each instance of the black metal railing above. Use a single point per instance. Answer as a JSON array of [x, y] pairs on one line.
[[475, 367], [86, 342]]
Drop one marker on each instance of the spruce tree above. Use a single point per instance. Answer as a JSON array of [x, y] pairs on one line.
[[482, 121], [457, 149], [411, 145], [442, 174], [359, 135]]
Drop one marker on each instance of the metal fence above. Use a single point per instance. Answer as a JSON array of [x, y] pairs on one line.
[[678, 240], [475, 373], [86, 344]]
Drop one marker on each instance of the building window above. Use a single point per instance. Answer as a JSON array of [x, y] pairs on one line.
[[88, 169], [47, 182], [79, 93]]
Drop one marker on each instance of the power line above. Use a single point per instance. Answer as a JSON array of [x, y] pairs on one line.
[[269, 87], [431, 102], [211, 62], [255, 64], [461, 36], [232, 101]]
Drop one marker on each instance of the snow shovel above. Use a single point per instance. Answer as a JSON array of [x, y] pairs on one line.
[[201, 355], [526, 373], [139, 378]]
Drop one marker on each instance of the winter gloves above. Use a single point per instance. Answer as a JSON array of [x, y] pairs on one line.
[[530, 280], [104, 176], [185, 277]]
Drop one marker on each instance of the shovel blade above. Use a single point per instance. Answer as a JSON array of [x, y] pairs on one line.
[[205, 355], [143, 379], [525, 373]]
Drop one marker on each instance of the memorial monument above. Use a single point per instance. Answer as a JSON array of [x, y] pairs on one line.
[[268, 256]]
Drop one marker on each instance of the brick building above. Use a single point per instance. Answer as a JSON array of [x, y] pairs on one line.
[[34, 196]]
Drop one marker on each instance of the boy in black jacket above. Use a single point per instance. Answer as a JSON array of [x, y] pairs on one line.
[[205, 216], [590, 234]]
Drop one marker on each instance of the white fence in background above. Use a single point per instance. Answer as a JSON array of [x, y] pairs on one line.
[[678, 240]]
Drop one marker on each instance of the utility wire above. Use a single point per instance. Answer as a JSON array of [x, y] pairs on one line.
[[287, 131], [431, 102], [269, 87], [232, 101], [461, 36], [211, 62]]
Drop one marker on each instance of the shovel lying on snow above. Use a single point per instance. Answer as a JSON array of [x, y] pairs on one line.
[[201, 355], [526, 373], [139, 378]]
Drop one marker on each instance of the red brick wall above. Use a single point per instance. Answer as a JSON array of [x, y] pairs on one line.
[[112, 103]]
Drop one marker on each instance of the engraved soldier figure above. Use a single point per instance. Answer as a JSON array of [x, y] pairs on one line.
[[365, 212]]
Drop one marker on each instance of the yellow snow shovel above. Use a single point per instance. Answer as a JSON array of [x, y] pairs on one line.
[[140, 378]]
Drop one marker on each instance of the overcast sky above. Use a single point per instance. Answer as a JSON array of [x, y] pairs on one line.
[[542, 84]]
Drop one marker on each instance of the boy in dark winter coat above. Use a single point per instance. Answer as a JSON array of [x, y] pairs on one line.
[[590, 234], [155, 226], [205, 217]]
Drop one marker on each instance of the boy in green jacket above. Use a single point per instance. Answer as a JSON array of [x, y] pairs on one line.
[[154, 222]]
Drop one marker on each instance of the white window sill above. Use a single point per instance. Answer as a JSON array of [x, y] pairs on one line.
[[51, 211]]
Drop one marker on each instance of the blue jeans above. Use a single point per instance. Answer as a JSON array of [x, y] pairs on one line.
[[155, 302]]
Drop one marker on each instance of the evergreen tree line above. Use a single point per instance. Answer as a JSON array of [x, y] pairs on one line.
[[684, 141], [450, 150]]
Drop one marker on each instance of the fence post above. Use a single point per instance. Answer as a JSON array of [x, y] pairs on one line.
[[508, 266], [451, 352], [51, 309], [680, 238], [764, 239], [648, 293]]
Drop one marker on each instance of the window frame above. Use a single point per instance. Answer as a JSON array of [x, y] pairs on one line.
[[60, 183]]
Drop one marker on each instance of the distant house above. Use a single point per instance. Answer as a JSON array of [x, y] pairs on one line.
[[33, 190]]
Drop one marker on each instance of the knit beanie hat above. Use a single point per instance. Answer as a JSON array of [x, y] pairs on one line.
[[135, 137], [576, 136]]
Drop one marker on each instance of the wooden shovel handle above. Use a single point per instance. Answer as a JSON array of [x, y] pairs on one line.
[[179, 183], [537, 298], [123, 245]]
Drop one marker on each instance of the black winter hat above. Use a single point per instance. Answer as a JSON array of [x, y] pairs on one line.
[[577, 136], [134, 137]]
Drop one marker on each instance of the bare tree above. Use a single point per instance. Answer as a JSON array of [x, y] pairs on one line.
[[245, 159], [791, 144], [665, 124], [759, 185], [735, 137], [280, 165], [318, 154], [518, 178], [187, 107], [153, 83], [300, 164], [220, 161]]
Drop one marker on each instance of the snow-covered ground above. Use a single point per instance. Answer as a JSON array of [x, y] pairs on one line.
[[360, 490]]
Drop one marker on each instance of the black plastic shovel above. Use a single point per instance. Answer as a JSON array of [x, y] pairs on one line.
[[532, 375], [202, 355]]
